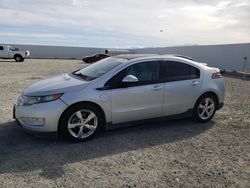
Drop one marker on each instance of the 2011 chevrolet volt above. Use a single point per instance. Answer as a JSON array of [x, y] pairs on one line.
[[118, 90]]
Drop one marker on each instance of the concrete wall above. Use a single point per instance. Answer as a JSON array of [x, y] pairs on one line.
[[226, 57], [59, 51], [66, 52]]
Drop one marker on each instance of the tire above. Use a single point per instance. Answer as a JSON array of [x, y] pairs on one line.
[[18, 58], [205, 108], [71, 125]]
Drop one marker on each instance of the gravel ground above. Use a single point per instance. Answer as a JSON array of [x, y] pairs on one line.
[[171, 154]]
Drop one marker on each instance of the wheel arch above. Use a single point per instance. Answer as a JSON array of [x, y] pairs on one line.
[[82, 103], [209, 93], [18, 55]]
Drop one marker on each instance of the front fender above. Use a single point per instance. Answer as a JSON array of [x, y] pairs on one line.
[[101, 98]]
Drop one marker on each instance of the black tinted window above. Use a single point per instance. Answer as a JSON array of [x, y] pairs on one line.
[[1, 47], [180, 71]]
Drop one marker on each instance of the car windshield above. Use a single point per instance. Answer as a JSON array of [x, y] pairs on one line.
[[99, 68]]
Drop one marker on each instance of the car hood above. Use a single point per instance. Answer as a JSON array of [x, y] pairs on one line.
[[57, 84]]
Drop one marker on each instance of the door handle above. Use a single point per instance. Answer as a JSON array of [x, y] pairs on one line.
[[194, 83], [157, 88]]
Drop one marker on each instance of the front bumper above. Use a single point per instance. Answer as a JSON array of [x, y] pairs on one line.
[[27, 54], [50, 112]]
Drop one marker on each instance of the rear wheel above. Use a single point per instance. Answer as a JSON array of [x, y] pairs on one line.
[[80, 123], [205, 108]]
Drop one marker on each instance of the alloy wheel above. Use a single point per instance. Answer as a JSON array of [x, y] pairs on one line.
[[82, 124], [206, 108]]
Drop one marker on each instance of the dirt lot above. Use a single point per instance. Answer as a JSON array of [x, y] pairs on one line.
[[170, 154]]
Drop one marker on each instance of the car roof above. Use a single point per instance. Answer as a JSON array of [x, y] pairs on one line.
[[153, 56], [145, 57], [134, 56]]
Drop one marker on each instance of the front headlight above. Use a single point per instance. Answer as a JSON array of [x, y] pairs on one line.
[[41, 99]]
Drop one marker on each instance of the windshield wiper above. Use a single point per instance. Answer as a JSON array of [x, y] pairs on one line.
[[85, 77]]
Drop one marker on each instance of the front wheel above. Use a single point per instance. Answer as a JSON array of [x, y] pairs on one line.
[[19, 58], [80, 123], [205, 108]]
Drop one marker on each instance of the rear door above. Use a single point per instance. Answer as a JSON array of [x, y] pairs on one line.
[[141, 100], [182, 86]]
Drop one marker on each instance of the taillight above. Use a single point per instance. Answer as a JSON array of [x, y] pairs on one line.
[[216, 75]]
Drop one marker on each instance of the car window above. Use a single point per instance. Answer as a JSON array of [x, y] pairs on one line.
[[1, 47], [175, 71], [146, 72]]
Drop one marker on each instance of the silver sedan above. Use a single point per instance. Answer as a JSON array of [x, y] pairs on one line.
[[120, 90]]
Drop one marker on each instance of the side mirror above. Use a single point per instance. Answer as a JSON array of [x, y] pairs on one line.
[[130, 79]]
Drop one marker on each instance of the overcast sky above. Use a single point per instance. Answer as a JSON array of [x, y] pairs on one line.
[[124, 23]]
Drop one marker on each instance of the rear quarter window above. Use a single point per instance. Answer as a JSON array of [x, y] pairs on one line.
[[176, 71], [1, 47]]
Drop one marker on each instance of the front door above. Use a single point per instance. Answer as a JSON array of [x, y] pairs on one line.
[[140, 100]]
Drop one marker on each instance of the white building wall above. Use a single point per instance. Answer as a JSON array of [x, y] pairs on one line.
[[226, 57], [59, 51]]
